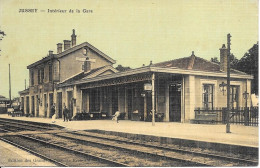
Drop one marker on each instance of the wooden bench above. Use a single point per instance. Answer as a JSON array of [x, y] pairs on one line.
[[98, 115], [158, 117]]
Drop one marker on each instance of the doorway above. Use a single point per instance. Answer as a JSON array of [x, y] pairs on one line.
[[33, 106], [37, 106], [22, 105], [94, 100], [175, 102], [70, 102], [27, 105], [45, 105], [114, 99], [50, 103], [129, 102], [59, 98]]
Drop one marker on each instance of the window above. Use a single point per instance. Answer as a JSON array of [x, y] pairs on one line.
[[32, 78], [207, 96], [50, 72], [40, 75], [234, 95]]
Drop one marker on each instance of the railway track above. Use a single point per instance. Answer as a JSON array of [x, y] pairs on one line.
[[59, 154], [176, 148], [194, 158], [20, 125], [85, 148]]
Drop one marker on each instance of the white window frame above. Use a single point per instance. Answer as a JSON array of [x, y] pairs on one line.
[[210, 82], [240, 85]]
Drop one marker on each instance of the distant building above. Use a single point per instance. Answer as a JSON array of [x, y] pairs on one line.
[[75, 61], [84, 79], [3, 104]]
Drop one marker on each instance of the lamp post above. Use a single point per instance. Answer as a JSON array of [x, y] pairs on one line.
[[222, 87], [245, 96]]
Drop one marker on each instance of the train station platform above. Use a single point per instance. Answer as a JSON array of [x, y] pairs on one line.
[[12, 156], [240, 135]]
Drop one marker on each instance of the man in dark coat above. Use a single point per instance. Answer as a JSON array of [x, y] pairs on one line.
[[65, 113]]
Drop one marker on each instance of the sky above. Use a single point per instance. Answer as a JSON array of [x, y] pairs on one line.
[[132, 32]]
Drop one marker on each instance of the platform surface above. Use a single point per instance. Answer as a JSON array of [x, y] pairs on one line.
[[12, 156], [240, 135]]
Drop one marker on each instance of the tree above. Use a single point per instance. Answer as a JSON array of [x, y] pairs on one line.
[[2, 33], [233, 61], [122, 68], [249, 64], [215, 60]]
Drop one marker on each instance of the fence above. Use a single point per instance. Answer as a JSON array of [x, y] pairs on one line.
[[242, 115], [3, 110]]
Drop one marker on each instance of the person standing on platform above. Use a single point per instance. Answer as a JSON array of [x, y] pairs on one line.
[[65, 113], [116, 115], [53, 113]]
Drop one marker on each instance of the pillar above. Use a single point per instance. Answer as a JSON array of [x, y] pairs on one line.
[[126, 104], [153, 98], [189, 97]]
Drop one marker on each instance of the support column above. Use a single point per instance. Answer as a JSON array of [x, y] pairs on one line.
[[145, 107], [153, 98], [167, 102], [183, 100], [189, 97], [126, 104]]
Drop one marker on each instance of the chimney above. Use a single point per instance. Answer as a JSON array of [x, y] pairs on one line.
[[50, 52], [66, 44], [191, 61], [87, 65], [73, 38], [59, 48], [223, 58]]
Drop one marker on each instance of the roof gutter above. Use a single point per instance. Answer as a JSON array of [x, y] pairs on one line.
[[160, 70]]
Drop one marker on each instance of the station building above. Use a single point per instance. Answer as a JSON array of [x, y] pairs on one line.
[[83, 78]]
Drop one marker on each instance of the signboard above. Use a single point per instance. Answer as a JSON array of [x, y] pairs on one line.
[[147, 86], [82, 59]]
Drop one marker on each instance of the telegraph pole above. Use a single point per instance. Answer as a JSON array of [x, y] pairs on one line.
[[10, 96], [228, 83]]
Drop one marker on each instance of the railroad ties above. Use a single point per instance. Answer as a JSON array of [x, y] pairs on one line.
[[100, 149]]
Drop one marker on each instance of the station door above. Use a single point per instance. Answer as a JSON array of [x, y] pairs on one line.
[[59, 98], [175, 102]]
